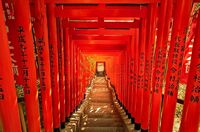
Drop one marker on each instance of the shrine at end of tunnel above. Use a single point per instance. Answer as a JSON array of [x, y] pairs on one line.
[[99, 65]]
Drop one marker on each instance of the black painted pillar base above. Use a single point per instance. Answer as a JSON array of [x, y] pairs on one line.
[[126, 110], [67, 119], [71, 114], [120, 103], [137, 126], [129, 115], [77, 108], [62, 125], [132, 120], [56, 129], [124, 107], [142, 130]]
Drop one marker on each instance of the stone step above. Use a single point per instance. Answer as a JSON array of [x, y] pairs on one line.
[[102, 115], [102, 129], [102, 122], [101, 100]]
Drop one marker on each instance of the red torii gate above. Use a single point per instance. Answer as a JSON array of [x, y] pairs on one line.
[[59, 47]]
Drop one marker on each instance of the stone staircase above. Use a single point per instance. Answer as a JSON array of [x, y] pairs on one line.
[[100, 111]]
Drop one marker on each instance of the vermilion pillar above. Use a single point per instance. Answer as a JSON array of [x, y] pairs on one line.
[[41, 32], [159, 64], [75, 75], [61, 72], [67, 73], [191, 111], [150, 41], [129, 78], [125, 80], [141, 66], [132, 94], [123, 90], [133, 72], [71, 77], [27, 62], [181, 18], [78, 81], [53, 44], [136, 48], [9, 113], [14, 50]]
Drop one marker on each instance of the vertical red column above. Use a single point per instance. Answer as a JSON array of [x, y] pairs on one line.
[[27, 62], [141, 66], [176, 52], [72, 92], [129, 85], [159, 64], [61, 71], [150, 41], [191, 113], [122, 78], [75, 76], [54, 64], [14, 50], [78, 76], [125, 80], [67, 73], [132, 87], [135, 63], [9, 113], [41, 33]]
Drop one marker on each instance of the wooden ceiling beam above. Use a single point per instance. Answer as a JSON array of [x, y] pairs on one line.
[[103, 32], [105, 42], [87, 11], [103, 1], [101, 47], [89, 37], [134, 24]]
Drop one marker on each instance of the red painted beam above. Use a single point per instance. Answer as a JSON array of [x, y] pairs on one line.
[[99, 51], [102, 32], [90, 37], [103, 1], [99, 42], [95, 11], [102, 53], [102, 47], [134, 24]]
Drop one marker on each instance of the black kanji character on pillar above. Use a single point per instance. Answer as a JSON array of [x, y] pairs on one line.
[[20, 29]]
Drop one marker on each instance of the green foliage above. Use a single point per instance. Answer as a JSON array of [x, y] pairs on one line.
[[20, 91], [196, 8]]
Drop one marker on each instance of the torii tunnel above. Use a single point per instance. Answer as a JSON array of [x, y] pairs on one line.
[[99, 65]]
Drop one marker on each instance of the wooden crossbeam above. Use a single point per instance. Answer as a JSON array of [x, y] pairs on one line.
[[105, 42], [95, 11], [101, 47], [103, 1], [89, 37], [134, 24], [103, 32]]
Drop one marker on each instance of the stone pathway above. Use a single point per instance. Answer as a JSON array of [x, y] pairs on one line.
[[100, 111]]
